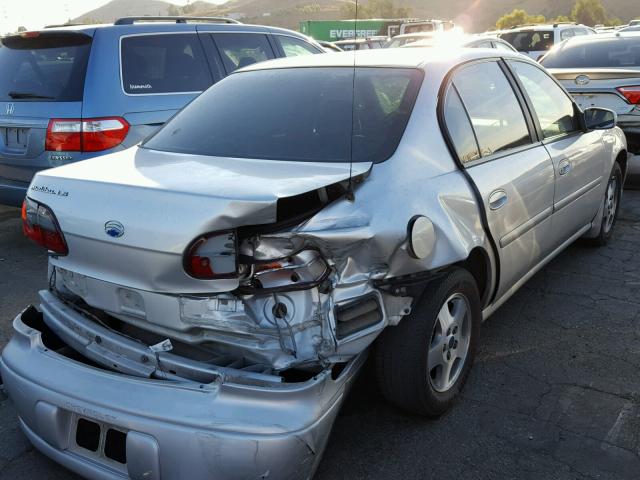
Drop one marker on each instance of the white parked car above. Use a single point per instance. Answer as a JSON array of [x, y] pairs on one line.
[[536, 40], [213, 292]]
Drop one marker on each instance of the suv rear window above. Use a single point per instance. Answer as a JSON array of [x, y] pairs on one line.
[[530, 40], [49, 67], [603, 53], [164, 63], [301, 114]]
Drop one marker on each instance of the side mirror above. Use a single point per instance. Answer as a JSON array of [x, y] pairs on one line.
[[600, 118]]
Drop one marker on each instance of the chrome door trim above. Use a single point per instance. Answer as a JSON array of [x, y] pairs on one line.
[[577, 194], [525, 227]]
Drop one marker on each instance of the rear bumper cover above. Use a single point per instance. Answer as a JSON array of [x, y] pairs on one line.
[[173, 429]]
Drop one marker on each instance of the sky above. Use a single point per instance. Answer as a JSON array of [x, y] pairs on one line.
[[35, 14]]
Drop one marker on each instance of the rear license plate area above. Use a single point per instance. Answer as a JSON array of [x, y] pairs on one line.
[[15, 139]]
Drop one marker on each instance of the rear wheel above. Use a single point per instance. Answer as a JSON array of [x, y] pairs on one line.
[[611, 206], [423, 363]]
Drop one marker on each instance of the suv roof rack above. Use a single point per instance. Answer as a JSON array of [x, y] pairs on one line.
[[564, 23], [65, 25], [185, 19]]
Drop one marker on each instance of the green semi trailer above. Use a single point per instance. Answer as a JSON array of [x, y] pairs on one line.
[[333, 30]]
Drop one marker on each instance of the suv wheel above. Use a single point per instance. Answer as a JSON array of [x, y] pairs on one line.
[[423, 363], [612, 196]]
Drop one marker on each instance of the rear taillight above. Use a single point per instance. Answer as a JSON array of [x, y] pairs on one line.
[[85, 135], [40, 225], [212, 256], [632, 94]]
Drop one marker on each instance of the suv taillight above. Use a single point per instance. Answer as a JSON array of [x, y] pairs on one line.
[[85, 135], [212, 256], [632, 94], [40, 225]]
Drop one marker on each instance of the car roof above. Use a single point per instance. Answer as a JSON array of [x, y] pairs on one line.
[[416, 34], [602, 37], [169, 25], [396, 58]]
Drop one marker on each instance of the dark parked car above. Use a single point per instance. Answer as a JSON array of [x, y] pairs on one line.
[[604, 71]]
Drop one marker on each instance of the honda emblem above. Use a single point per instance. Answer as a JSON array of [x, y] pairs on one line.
[[10, 108]]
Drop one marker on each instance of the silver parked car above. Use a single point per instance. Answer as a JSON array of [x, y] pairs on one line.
[[213, 292], [604, 71]]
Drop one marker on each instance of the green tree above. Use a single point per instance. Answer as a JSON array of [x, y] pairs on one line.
[[589, 12], [562, 19], [517, 17]]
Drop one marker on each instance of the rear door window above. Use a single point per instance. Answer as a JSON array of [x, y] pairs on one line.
[[294, 47], [49, 67], [459, 127], [164, 63], [239, 50], [496, 114]]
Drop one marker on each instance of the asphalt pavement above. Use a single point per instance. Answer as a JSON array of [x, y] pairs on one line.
[[554, 393]]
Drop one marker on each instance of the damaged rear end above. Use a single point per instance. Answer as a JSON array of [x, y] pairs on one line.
[[210, 295]]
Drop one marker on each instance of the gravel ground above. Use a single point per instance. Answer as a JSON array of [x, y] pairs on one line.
[[554, 393]]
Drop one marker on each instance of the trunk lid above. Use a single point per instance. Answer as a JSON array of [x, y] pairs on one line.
[[596, 87], [43, 78], [163, 201]]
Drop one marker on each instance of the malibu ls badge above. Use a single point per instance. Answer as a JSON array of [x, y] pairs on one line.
[[114, 229]]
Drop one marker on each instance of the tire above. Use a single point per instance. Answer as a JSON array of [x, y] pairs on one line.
[[611, 206], [411, 357]]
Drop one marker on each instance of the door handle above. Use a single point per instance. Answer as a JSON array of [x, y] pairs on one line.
[[497, 199], [564, 167]]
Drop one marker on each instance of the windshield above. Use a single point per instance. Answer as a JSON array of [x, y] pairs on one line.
[[602, 53], [530, 40], [302, 114], [48, 67]]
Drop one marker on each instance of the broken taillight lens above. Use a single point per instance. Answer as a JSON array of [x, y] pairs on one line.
[[40, 225], [212, 256]]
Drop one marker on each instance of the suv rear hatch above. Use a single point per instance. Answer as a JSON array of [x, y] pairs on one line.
[[43, 76]]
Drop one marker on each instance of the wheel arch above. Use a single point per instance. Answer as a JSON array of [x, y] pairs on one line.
[[478, 263]]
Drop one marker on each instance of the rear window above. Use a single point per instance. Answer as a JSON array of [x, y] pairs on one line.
[[50, 67], [530, 40], [168, 63], [302, 114], [615, 52]]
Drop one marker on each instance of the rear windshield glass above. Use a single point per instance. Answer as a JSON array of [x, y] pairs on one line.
[[50, 67], [302, 114], [168, 63], [607, 53], [530, 40]]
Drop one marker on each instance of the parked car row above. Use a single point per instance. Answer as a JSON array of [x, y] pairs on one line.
[[269, 233], [232, 271]]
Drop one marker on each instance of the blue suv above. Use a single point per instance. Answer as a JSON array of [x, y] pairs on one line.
[[77, 92]]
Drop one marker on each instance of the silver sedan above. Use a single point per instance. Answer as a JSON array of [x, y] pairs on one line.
[[214, 291]]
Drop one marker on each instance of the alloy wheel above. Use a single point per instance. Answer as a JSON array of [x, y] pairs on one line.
[[450, 342]]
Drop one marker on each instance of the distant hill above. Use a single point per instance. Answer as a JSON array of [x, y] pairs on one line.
[[474, 15]]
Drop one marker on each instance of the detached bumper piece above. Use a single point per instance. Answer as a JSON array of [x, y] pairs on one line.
[[109, 425]]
